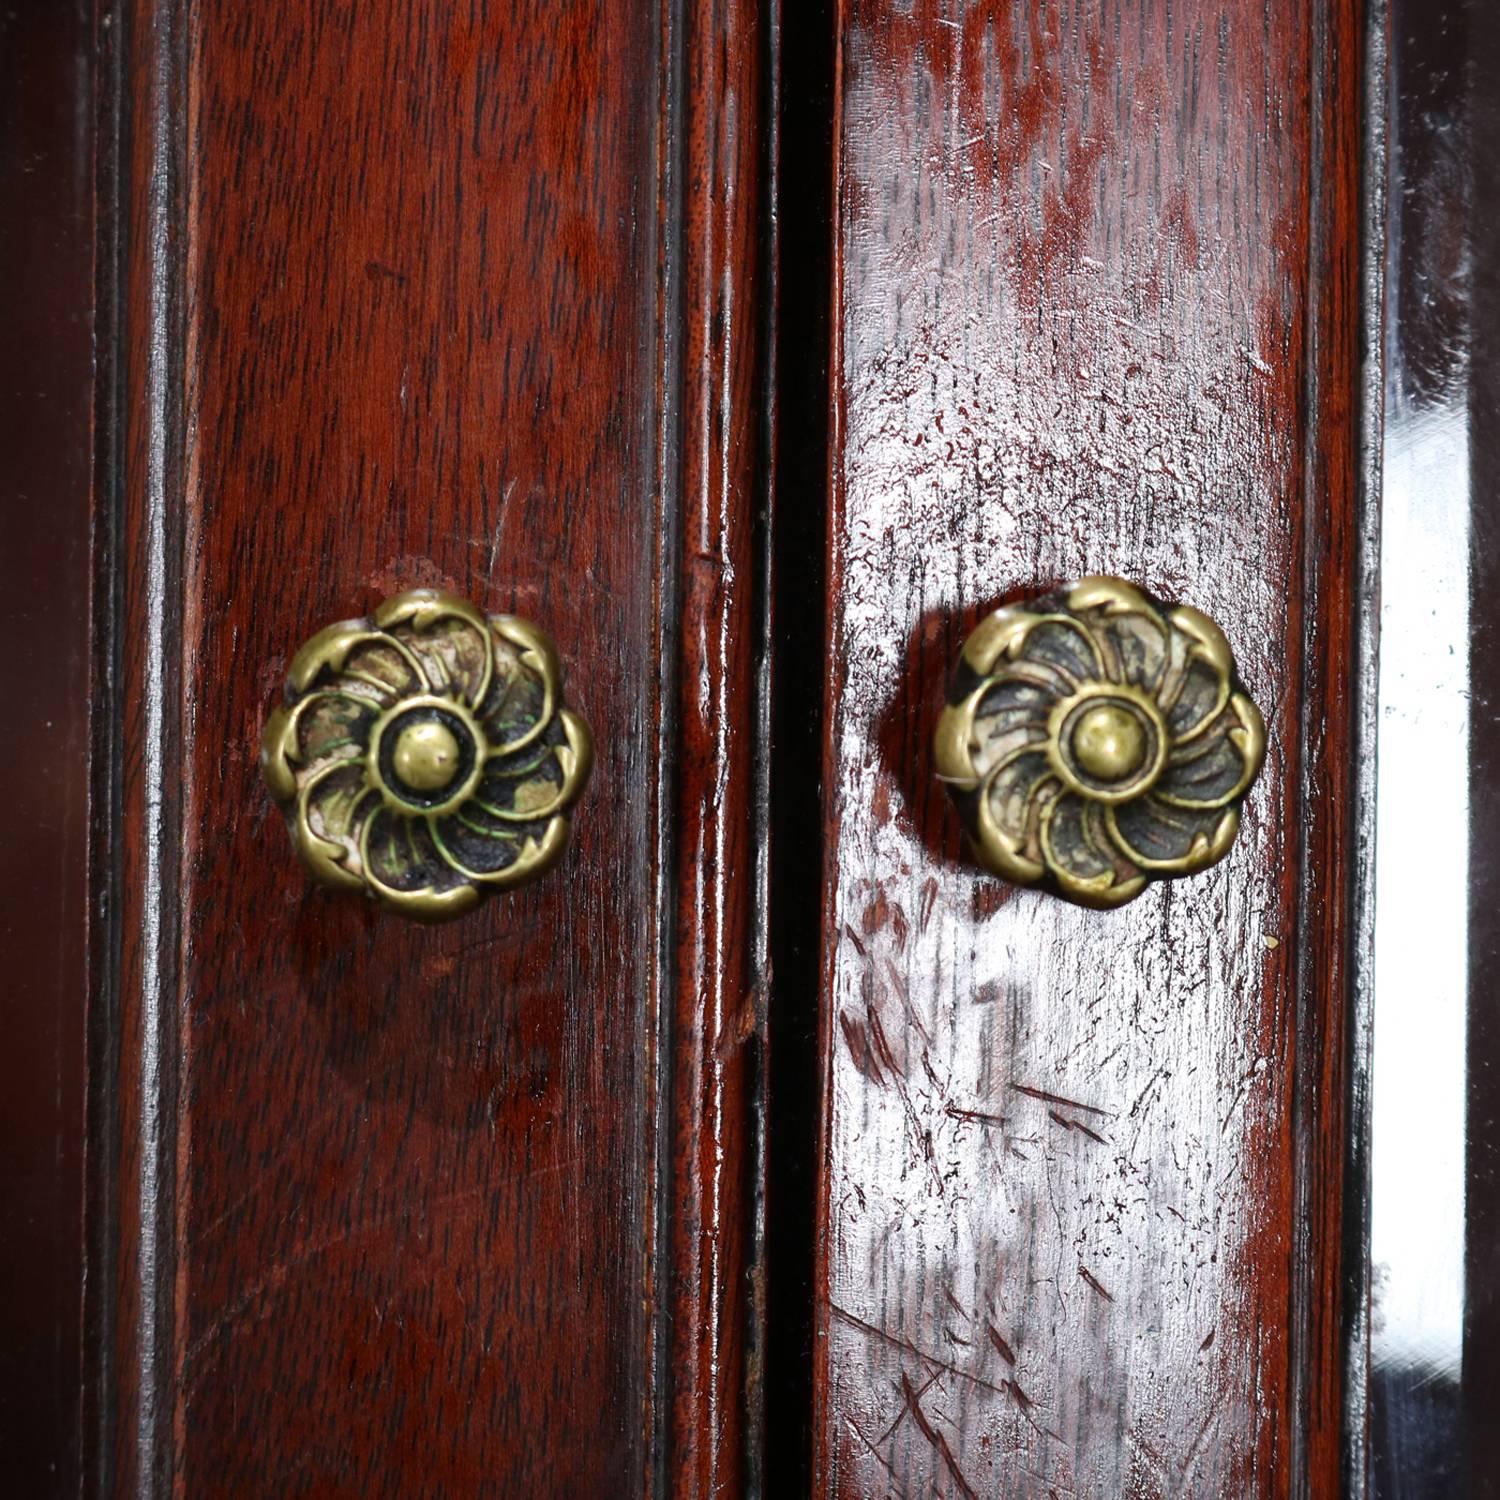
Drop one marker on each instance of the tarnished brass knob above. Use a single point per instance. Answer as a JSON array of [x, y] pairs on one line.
[[424, 755], [1097, 739]]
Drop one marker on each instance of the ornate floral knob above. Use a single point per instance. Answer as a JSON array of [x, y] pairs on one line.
[[424, 756], [1097, 739]]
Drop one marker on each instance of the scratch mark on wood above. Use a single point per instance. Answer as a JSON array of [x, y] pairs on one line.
[[938, 1441], [902, 1413], [896, 1342], [1078, 1125], [979, 1116], [1047, 1098], [882, 1046], [1001, 1347], [929, 900], [903, 993], [1094, 1282], [859, 1050], [880, 1458], [1145, 1093]]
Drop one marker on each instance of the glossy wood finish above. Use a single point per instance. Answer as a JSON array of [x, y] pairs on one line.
[[1096, 306], [46, 419], [463, 296], [717, 1035]]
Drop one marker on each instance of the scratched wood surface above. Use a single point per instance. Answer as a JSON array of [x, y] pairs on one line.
[[1095, 312], [423, 294]]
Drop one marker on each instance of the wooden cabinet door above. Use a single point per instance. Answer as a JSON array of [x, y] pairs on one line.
[[766, 1147], [1096, 309], [387, 296]]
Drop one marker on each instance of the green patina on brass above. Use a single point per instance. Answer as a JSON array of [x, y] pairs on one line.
[[1097, 739], [424, 755]]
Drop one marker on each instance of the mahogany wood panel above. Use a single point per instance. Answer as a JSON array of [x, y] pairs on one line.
[[717, 1037], [465, 296], [46, 419], [1096, 310]]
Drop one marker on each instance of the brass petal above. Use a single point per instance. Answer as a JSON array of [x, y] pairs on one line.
[[1218, 767], [1080, 855], [449, 637], [1169, 839]]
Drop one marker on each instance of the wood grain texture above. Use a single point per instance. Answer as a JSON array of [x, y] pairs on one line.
[[1096, 306], [718, 1011], [46, 395], [460, 296]]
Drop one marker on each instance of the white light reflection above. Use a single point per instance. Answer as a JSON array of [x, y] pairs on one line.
[[1421, 894]]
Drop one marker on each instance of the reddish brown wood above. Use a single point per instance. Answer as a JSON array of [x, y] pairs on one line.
[[1336, 699], [718, 1012], [1095, 311], [46, 391], [424, 294]]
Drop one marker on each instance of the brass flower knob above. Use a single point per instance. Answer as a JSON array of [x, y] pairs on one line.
[[1097, 739], [424, 755]]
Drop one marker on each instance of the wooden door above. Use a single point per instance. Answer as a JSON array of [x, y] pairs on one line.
[[766, 1147], [388, 296], [1083, 1174]]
